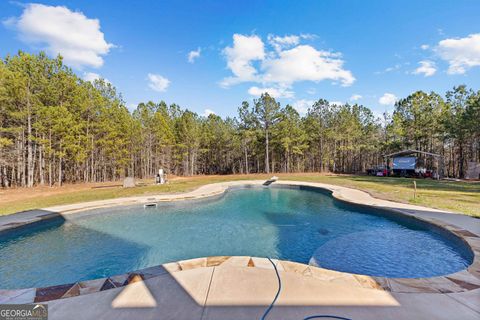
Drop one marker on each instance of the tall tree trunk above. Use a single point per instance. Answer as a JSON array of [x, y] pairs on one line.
[[460, 161], [24, 168], [192, 163], [41, 162], [60, 176], [267, 162], [246, 159], [29, 141]]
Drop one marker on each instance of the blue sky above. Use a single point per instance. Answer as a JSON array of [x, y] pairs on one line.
[[370, 52]]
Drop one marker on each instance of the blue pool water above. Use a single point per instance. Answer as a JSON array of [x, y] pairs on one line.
[[307, 226]]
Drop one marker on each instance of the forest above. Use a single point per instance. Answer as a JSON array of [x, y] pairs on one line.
[[57, 128]]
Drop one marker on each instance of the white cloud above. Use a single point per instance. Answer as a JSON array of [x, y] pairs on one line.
[[308, 36], [287, 63], [305, 63], [424, 46], [158, 82], [427, 68], [395, 67], [273, 92], [192, 55], [302, 105], [338, 103], [132, 106], [379, 115], [388, 99], [208, 112], [92, 76], [355, 97], [461, 54], [58, 30], [280, 43], [245, 49], [390, 69]]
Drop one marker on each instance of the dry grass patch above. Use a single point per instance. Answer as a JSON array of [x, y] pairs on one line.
[[462, 197]]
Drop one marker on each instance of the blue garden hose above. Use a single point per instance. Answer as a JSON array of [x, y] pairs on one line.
[[278, 291], [267, 311], [325, 316]]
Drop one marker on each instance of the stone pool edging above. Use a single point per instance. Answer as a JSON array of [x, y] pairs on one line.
[[465, 280]]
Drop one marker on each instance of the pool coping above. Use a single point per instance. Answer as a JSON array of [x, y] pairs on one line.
[[461, 281]]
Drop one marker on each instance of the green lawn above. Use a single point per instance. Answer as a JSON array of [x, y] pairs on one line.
[[460, 197], [453, 196]]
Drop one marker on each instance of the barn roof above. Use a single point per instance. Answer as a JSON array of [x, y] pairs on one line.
[[409, 152]]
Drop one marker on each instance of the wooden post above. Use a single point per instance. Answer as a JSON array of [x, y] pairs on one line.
[[414, 189], [386, 166], [441, 168]]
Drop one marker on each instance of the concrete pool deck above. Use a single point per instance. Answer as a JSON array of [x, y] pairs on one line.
[[242, 287], [234, 290]]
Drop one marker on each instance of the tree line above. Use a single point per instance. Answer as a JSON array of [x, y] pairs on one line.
[[56, 128]]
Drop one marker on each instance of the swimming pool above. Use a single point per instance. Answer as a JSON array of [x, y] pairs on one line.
[[300, 224]]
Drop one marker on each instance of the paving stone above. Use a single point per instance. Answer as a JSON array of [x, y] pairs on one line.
[[368, 282], [469, 298], [132, 278], [17, 296], [193, 263], [429, 306], [464, 284], [171, 267], [153, 271], [308, 272], [216, 261], [383, 282], [119, 279], [237, 261], [466, 233], [179, 295], [325, 274], [302, 291], [91, 286], [266, 264], [242, 286], [296, 267], [465, 280], [474, 242], [52, 293], [108, 284], [474, 268], [411, 285], [137, 295], [73, 291]]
